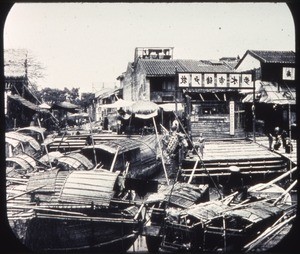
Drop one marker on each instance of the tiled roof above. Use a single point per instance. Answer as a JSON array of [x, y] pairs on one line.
[[268, 56], [161, 67]]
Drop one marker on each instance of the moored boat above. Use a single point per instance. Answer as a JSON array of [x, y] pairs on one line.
[[76, 211]]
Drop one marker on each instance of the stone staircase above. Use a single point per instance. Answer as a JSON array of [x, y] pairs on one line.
[[253, 160]]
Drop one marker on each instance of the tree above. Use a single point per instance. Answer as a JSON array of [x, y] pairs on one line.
[[86, 100]]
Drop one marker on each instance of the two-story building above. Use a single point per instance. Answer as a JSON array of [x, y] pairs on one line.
[[209, 91], [275, 97]]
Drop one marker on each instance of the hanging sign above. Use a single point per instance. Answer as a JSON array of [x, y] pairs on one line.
[[247, 81], [231, 117], [209, 80], [221, 80], [234, 80], [183, 79], [196, 79], [215, 80], [288, 73]]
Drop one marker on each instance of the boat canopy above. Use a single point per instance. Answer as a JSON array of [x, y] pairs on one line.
[[23, 160], [76, 160], [87, 187], [21, 138]]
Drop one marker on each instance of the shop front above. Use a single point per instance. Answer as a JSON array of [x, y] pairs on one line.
[[216, 112]]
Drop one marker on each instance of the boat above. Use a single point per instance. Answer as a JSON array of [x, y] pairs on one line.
[[16, 143], [178, 196], [229, 224], [38, 133], [71, 211], [138, 156]]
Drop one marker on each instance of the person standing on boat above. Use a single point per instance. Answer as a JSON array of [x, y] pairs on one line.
[[105, 123], [201, 142]]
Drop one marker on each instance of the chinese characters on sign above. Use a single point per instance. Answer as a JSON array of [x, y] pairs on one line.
[[196, 80], [231, 117], [221, 80], [288, 73], [183, 80], [217, 80]]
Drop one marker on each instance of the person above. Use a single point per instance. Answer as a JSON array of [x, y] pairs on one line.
[[89, 140], [234, 181], [105, 123], [271, 138], [277, 138], [284, 137], [288, 146], [175, 125], [201, 146]]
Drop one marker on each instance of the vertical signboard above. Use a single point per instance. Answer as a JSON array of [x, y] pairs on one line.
[[209, 80], [183, 79], [288, 73], [234, 80], [247, 81], [231, 117], [196, 80], [221, 80]]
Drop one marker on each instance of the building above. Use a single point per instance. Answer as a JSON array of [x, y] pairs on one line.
[[210, 91], [103, 98], [275, 96], [19, 100]]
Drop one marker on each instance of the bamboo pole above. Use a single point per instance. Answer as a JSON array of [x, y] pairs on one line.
[[26, 192], [161, 152], [194, 149], [271, 230], [193, 172], [285, 192], [93, 143], [114, 160], [46, 148], [261, 187]]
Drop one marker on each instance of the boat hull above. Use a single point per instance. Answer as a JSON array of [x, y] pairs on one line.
[[81, 234]]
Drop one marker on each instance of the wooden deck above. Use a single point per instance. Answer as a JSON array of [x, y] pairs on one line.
[[252, 159]]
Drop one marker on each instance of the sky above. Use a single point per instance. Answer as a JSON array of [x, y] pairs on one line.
[[88, 45]]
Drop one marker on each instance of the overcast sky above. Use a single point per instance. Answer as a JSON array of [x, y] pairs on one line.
[[85, 44]]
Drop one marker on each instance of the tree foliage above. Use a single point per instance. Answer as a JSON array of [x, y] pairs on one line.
[[86, 99], [54, 95]]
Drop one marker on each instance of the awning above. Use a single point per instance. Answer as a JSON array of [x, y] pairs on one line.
[[24, 102], [144, 109], [169, 107], [269, 92], [66, 106]]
